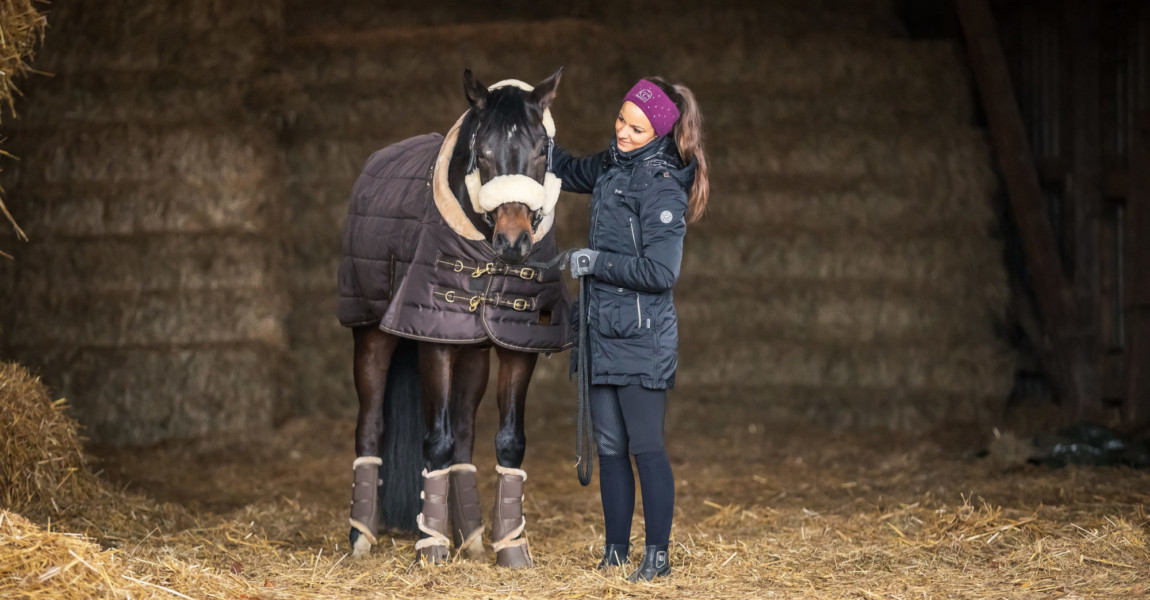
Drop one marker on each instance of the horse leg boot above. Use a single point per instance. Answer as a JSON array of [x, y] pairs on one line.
[[508, 522], [433, 519], [466, 519], [365, 504]]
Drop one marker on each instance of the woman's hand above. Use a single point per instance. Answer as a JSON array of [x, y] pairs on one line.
[[583, 261]]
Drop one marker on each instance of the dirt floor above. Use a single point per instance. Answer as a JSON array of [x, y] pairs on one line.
[[761, 513]]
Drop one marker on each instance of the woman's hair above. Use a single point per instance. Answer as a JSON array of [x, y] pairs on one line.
[[688, 135]]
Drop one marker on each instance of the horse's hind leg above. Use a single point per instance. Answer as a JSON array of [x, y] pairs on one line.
[[373, 351], [507, 520], [435, 376], [469, 381]]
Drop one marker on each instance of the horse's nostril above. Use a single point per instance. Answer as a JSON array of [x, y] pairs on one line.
[[499, 241], [524, 242]]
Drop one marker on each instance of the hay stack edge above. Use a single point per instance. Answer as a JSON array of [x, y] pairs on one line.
[[21, 32]]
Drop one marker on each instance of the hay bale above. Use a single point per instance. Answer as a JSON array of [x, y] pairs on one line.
[[42, 463], [23, 31], [154, 292], [147, 394]]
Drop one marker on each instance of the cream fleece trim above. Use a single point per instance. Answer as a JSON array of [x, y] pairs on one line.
[[434, 474], [512, 188], [367, 460], [445, 199], [436, 539], [463, 467], [509, 540], [360, 527], [509, 471]]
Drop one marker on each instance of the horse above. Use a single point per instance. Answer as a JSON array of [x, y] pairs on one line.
[[448, 254]]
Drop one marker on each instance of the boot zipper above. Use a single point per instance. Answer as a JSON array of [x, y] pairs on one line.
[[635, 241]]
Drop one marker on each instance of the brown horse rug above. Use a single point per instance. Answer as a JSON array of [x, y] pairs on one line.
[[416, 265]]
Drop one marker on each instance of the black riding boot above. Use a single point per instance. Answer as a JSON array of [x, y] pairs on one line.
[[656, 563], [614, 555]]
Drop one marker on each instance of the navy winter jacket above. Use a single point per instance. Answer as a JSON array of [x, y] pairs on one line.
[[638, 220]]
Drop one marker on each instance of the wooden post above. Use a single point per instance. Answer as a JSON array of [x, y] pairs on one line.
[[1136, 407], [1081, 56], [1053, 293]]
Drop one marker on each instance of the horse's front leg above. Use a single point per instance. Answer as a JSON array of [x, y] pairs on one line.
[[373, 352], [435, 375], [468, 383], [507, 521]]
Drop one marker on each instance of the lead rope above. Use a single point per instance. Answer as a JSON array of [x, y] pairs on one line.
[[584, 462]]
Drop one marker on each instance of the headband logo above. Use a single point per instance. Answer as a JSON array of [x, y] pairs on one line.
[[644, 95]]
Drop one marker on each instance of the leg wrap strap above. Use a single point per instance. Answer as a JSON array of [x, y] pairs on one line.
[[466, 516], [433, 520], [508, 522], [365, 498]]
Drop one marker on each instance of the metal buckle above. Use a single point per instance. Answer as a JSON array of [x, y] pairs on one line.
[[475, 301], [458, 266], [519, 304], [481, 269], [527, 273], [449, 295]]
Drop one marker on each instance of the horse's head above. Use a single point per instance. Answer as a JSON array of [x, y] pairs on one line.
[[508, 178]]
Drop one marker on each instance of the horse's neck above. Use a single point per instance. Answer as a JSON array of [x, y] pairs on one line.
[[457, 171]]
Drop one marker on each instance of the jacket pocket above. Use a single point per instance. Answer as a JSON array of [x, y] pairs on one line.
[[620, 312]]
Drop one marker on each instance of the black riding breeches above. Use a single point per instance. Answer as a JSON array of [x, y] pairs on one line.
[[628, 419]]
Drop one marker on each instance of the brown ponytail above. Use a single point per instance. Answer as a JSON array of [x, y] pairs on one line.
[[688, 134]]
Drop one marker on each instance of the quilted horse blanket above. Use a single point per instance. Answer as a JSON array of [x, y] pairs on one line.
[[414, 264]]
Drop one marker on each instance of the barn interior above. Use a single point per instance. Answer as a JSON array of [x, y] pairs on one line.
[[926, 254]]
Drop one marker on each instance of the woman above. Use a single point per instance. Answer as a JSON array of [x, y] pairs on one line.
[[646, 187]]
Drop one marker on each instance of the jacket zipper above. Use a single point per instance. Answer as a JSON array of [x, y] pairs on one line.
[[635, 242]]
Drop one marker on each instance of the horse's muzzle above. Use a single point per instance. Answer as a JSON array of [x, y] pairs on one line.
[[512, 252]]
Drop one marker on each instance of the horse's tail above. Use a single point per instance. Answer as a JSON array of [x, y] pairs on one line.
[[401, 444]]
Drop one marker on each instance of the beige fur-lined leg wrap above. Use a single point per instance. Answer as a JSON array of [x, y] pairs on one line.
[[365, 503], [508, 522], [433, 519], [466, 517]]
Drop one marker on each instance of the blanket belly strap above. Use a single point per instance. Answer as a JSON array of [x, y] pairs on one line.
[[479, 269], [473, 301]]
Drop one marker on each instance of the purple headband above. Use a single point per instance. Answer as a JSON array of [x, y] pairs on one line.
[[654, 103]]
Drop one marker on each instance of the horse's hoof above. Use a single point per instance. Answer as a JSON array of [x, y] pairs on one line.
[[432, 554], [360, 545]]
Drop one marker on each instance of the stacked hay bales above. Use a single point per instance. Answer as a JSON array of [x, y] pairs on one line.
[[43, 469], [846, 273], [363, 90], [23, 30], [152, 292]]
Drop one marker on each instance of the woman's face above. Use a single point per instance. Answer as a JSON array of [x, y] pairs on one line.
[[632, 128]]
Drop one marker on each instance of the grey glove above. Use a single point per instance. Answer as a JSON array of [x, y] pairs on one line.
[[583, 261]]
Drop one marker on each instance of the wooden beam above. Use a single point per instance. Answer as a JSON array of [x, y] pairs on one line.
[[1053, 293], [1136, 407], [1081, 59]]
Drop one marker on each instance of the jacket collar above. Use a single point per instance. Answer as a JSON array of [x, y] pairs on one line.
[[660, 157]]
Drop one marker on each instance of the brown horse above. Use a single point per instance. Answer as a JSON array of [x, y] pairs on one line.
[[428, 294]]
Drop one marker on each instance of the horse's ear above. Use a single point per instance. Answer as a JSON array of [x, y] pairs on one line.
[[476, 92], [544, 93]]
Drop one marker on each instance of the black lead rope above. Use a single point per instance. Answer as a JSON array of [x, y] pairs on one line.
[[584, 440], [584, 461]]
